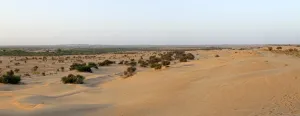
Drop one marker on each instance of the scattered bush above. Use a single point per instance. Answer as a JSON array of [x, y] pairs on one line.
[[62, 69], [270, 48], [72, 79], [132, 63], [35, 68], [81, 67], [121, 62], [190, 56], [156, 66], [279, 48], [10, 78], [93, 65], [129, 72], [84, 69], [143, 63], [44, 74], [17, 70], [154, 59], [165, 63], [217, 56], [106, 63], [183, 59], [131, 69]]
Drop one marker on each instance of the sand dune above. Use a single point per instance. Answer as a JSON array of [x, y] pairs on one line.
[[239, 83]]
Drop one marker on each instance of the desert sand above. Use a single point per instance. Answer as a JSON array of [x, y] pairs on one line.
[[238, 83]]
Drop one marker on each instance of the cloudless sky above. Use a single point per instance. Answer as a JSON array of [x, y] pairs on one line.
[[121, 22]]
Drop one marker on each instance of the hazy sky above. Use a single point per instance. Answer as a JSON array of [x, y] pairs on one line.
[[32, 22]]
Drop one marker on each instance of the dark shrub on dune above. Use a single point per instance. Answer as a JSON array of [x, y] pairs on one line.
[[129, 72], [279, 48], [121, 62], [156, 66], [81, 67], [154, 59], [270, 48], [93, 65], [143, 63], [10, 78], [166, 63], [106, 63], [183, 59], [72, 79], [132, 63], [190, 56]]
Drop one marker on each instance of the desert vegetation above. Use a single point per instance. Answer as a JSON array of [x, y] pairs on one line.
[[73, 79], [81, 67], [10, 78]]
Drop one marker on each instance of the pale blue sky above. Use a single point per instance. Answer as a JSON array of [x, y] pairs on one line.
[[33, 22]]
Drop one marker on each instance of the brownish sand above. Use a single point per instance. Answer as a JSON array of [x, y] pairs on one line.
[[238, 83]]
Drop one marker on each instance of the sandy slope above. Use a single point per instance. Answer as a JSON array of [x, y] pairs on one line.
[[239, 83]]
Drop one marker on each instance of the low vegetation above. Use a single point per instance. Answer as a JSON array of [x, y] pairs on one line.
[[72, 79], [10, 78], [106, 63], [129, 72], [81, 67]]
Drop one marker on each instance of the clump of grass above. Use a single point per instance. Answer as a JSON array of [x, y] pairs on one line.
[[72, 79]]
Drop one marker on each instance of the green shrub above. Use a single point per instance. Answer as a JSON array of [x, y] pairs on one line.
[[81, 67], [132, 63], [106, 63], [72, 79], [154, 59], [84, 69], [10, 78], [129, 72], [143, 63], [131, 69], [93, 65], [156, 66]]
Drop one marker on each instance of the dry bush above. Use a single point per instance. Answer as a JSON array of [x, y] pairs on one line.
[[129, 72], [270, 48], [156, 66], [72, 79], [106, 63], [279, 48]]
